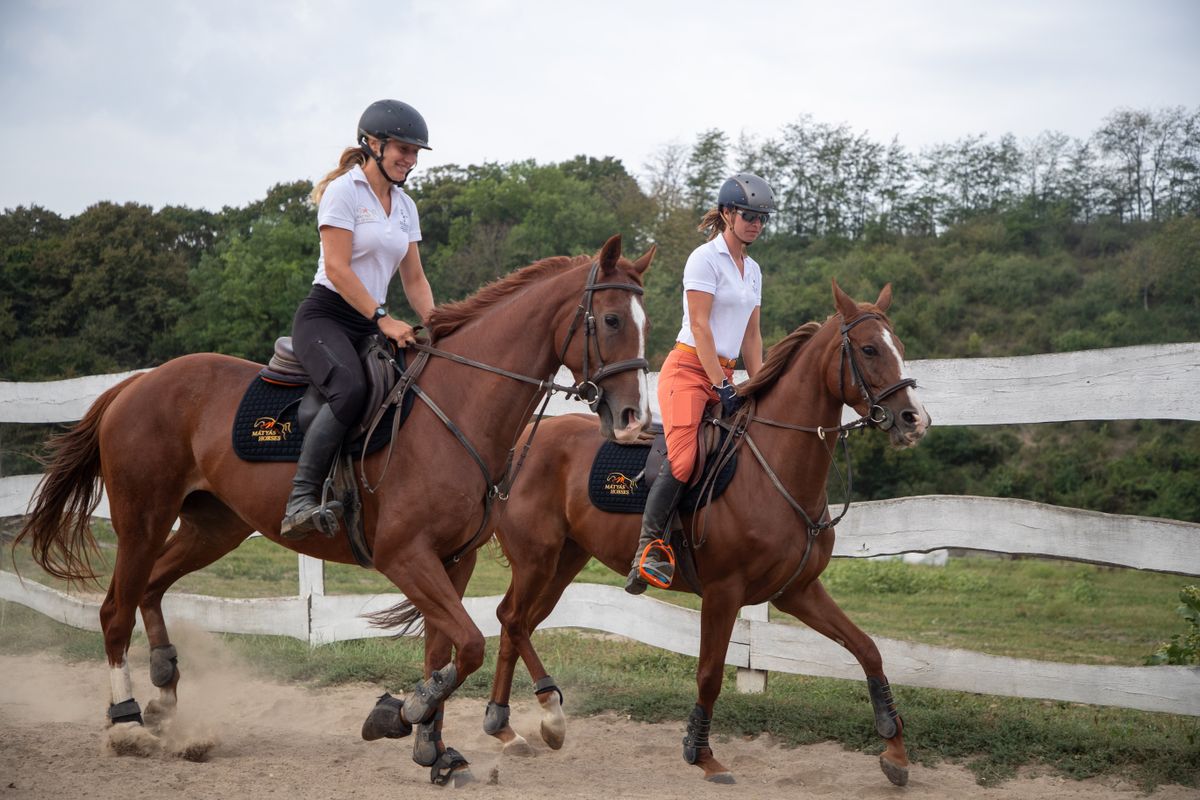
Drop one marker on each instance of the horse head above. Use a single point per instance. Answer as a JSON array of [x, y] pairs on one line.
[[605, 343], [868, 373]]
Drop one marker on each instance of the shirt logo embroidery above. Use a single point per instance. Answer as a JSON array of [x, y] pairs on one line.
[[364, 214]]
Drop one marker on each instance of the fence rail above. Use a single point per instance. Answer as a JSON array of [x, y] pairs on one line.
[[1152, 382]]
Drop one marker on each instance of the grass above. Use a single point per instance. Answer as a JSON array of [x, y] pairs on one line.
[[1024, 608], [1029, 608]]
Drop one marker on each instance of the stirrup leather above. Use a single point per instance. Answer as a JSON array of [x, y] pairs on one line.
[[657, 550]]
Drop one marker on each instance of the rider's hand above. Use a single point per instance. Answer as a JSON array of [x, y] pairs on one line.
[[398, 331], [728, 397]]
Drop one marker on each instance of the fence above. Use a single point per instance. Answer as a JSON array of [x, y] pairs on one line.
[[1153, 382]]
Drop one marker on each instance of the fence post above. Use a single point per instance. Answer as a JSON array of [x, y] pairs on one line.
[[312, 582], [752, 681]]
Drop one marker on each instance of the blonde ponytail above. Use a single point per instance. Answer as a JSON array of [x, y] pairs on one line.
[[351, 157], [712, 223]]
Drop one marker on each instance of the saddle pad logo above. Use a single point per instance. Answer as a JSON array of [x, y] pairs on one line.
[[618, 483], [268, 429]]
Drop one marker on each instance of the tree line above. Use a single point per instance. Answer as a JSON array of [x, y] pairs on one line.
[[994, 248]]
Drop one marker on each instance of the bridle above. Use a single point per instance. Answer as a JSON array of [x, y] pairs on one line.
[[877, 416], [588, 389]]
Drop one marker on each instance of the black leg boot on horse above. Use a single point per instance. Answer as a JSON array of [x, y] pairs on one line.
[[304, 513], [653, 556]]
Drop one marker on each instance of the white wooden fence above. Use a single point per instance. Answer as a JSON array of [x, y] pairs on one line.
[[1153, 382]]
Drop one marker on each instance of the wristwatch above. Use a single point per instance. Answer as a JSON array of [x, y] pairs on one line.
[[380, 313]]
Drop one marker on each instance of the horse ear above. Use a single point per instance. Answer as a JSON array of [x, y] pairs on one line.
[[885, 297], [640, 265], [610, 254], [845, 304]]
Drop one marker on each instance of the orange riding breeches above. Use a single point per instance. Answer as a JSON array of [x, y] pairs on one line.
[[683, 391]]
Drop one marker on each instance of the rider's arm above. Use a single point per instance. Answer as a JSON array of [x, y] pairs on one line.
[[336, 246], [699, 310], [752, 352], [416, 285]]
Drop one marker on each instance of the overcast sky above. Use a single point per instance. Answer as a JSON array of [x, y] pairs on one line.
[[207, 103]]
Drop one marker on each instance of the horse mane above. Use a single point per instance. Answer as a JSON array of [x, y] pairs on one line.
[[448, 318], [778, 357]]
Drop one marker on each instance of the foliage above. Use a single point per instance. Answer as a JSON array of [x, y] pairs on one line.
[[1183, 648], [994, 248]]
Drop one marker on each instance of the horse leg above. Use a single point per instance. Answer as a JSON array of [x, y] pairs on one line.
[[533, 593], [208, 530], [429, 750], [718, 613], [141, 531], [394, 718], [813, 606]]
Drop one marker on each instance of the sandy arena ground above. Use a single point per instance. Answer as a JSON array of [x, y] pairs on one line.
[[261, 739]]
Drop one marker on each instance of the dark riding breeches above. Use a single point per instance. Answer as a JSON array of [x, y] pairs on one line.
[[325, 331]]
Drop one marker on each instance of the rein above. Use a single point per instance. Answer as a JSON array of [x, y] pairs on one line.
[[876, 417], [588, 390]]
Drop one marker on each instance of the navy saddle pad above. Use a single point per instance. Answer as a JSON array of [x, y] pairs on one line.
[[611, 484], [265, 427]]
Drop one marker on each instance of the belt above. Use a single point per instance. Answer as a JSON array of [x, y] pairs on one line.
[[727, 363]]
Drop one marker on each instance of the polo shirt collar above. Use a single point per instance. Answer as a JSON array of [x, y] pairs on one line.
[[357, 174]]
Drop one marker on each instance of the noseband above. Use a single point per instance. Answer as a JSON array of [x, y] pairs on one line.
[[877, 415], [588, 390]]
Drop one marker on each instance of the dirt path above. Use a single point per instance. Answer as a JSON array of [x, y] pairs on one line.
[[264, 740]]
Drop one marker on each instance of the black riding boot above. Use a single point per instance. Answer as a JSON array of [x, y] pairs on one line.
[[321, 442], [660, 504]]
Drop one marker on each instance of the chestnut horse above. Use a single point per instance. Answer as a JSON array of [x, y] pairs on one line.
[[161, 443], [768, 537]]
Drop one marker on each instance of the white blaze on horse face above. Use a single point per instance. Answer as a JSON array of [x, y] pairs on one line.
[[639, 319], [909, 394], [120, 682]]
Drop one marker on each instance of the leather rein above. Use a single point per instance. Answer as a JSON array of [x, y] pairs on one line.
[[877, 416], [587, 390]]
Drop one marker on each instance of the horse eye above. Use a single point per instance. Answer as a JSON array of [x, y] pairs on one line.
[[612, 321], [869, 350]]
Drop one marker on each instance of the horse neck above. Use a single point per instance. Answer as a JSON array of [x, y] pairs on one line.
[[800, 397], [517, 334]]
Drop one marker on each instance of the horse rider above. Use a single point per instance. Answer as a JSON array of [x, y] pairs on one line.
[[722, 298], [369, 230]]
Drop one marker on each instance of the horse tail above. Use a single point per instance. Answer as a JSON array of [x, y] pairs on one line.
[[404, 615], [57, 523]]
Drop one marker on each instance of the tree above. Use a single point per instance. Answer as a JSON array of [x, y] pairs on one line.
[[707, 168]]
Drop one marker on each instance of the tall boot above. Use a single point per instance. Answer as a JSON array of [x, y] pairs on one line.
[[303, 513], [660, 505]]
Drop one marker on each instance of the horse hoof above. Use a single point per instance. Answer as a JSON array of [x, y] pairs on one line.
[[451, 769], [720, 777], [131, 739], [554, 735], [894, 772], [384, 721], [518, 747], [157, 713], [460, 777]]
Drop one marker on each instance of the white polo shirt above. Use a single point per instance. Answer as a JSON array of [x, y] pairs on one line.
[[710, 269], [380, 240]]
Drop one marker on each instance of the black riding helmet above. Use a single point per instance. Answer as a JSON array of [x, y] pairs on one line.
[[392, 119], [747, 191]]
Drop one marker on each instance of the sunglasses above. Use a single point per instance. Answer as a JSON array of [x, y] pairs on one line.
[[752, 217]]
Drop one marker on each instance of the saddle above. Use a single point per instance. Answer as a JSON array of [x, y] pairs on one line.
[[281, 401], [622, 474]]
